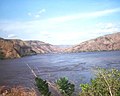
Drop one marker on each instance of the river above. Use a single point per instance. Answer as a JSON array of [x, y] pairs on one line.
[[77, 67]]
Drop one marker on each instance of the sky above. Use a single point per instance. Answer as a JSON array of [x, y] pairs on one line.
[[58, 22]]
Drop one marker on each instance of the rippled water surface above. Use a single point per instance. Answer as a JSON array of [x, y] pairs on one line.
[[78, 67]]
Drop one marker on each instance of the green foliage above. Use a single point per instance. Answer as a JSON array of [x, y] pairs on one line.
[[106, 83], [42, 86], [65, 87]]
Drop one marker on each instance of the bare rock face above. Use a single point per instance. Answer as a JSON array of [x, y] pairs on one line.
[[104, 43], [42, 47], [14, 48], [7, 50]]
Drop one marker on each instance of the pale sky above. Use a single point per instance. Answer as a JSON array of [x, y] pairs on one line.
[[58, 22]]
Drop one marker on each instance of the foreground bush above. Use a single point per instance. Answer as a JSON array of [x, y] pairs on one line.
[[16, 91], [66, 88], [106, 83], [42, 86]]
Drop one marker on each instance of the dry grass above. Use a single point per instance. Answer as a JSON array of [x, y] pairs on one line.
[[16, 91]]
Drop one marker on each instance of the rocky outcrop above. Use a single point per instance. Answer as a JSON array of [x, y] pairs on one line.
[[104, 43], [14, 48]]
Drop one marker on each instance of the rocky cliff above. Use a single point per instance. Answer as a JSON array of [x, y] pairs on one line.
[[103, 43], [14, 48]]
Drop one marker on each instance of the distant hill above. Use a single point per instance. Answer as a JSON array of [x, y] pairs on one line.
[[14, 48], [42, 47], [103, 43]]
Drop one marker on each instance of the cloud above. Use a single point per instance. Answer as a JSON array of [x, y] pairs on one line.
[[37, 14], [53, 33], [58, 30], [29, 14], [42, 11], [105, 25], [108, 26], [84, 15], [104, 28], [12, 36]]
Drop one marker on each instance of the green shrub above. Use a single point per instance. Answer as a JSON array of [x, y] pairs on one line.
[[42, 86], [106, 83], [65, 87]]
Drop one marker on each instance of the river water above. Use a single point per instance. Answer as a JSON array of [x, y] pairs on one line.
[[77, 67]]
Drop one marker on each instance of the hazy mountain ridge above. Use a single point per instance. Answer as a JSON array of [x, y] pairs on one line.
[[42, 47], [104, 43], [14, 48]]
